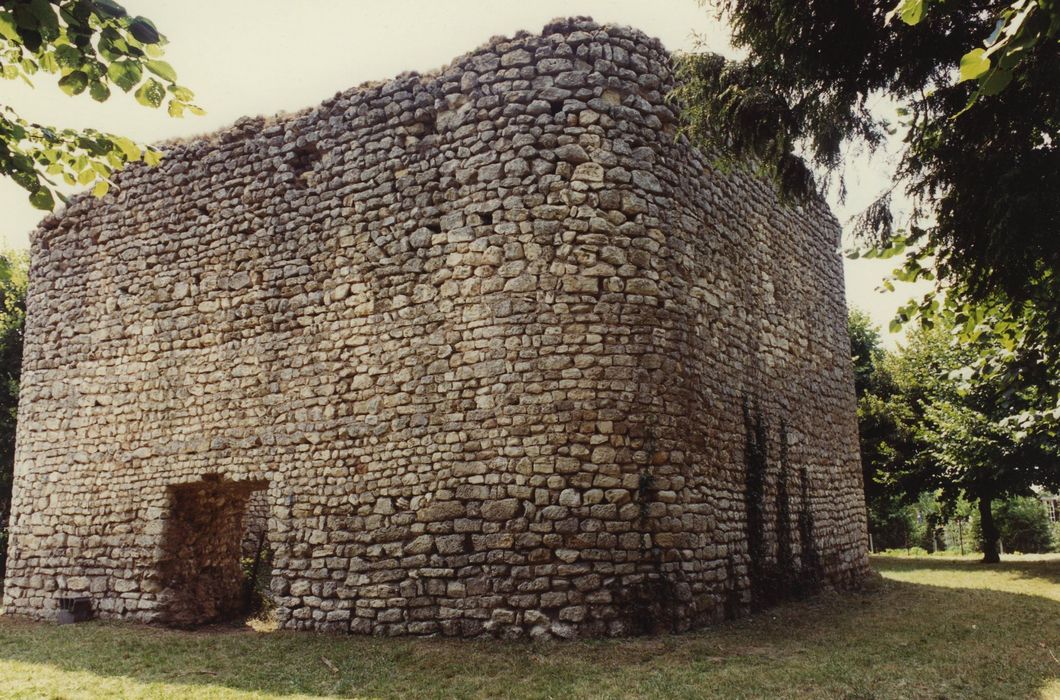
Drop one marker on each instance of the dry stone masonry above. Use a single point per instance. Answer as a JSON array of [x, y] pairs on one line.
[[485, 352]]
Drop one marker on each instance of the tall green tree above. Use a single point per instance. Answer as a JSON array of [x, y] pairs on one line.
[[933, 427], [980, 124], [977, 86], [887, 434], [91, 47], [971, 440], [13, 268]]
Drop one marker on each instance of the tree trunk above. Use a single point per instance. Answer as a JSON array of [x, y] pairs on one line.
[[989, 530]]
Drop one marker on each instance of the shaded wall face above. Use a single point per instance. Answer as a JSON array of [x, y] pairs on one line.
[[487, 335]]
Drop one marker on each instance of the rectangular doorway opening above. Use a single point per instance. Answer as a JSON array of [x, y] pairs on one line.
[[210, 525]]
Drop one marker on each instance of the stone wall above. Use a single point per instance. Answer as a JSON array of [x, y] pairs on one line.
[[506, 356]]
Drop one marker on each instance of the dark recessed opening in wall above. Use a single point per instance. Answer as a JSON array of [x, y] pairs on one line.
[[214, 533], [256, 556], [302, 161]]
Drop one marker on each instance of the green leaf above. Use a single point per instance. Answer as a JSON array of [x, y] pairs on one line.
[[152, 157], [75, 83], [909, 11], [8, 28], [125, 74], [997, 81], [42, 199], [68, 56], [162, 70], [181, 93], [49, 63], [101, 188], [912, 11], [176, 109], [974, 64], [109, 8], [151, 93], [47, 21], [893, 250], [130, 149], [99, 91], [144, 31], [86, 177]]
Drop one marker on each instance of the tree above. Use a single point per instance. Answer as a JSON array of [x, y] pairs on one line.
[[886, 432], [92, 46], [933, 432], [970, 440], [980, 161], [981, 147], [1024, 525], [13, 268], [981, 155]]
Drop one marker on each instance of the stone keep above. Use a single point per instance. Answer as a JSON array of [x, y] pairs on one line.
[[492, 351]]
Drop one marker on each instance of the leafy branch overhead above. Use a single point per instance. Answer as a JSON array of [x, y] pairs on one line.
[[976, 87], [92, 46], [1018, 28], [981, 151]]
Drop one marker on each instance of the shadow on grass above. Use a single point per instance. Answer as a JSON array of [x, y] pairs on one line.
[[900, 640], [1046, 568]]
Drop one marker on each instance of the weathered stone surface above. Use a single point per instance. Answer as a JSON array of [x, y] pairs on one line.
[[505, 509], [477, 353]]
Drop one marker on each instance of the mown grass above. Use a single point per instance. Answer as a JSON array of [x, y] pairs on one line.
[[931, 628]]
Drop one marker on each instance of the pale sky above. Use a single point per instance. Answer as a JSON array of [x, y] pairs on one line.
[[251, 57]]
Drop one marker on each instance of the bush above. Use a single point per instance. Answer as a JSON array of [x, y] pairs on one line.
[[1023, 523], [905, 552], [891, 530]]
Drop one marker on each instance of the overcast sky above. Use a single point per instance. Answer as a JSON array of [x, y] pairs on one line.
[[250, 57]]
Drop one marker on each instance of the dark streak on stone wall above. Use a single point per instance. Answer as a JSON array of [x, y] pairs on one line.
[[484, 336]]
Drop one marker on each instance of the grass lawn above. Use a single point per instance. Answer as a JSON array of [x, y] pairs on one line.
[[932, 628]]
